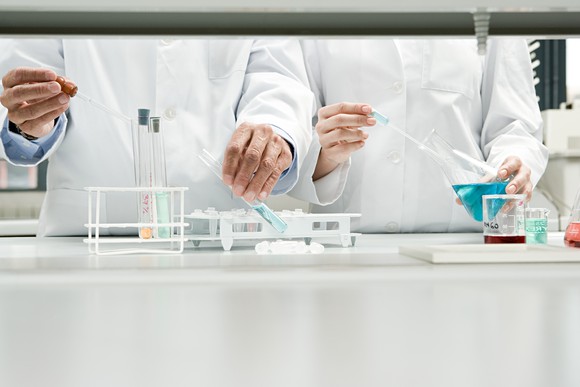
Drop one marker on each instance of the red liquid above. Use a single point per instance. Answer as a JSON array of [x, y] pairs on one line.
[[504, 238], [572, 236]]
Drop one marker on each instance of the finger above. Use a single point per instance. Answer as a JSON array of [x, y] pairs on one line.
[[338, 154], [269, 165], [519, 181], [234, 152], [252, 156], [22, 75], [510, 166], [284, 161], [344, 108], [14, 96], [339, 136], [31, 112], [344, 120], [42, 125]]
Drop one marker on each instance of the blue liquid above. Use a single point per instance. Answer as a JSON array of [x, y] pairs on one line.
[[470, 195], [270, 217], [162, 205]]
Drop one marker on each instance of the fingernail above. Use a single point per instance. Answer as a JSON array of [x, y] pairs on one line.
[[511, 189], [365, 135], [53, 87], [503, 173], [250, 196], [263, 195], [63, 98], [238, 190], [228, 180], [371, 121], [366, 109]]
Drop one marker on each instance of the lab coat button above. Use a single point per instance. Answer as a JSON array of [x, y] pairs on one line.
[[169, 114], [395, 157], [398, 87], [392, 227]]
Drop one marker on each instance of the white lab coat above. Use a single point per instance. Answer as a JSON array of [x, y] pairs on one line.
[[484, 106], [202, 89]]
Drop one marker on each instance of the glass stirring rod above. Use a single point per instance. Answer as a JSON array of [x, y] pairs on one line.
[[261, 208], [72, 90]]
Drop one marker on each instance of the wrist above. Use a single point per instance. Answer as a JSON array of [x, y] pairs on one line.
[[16, 129]]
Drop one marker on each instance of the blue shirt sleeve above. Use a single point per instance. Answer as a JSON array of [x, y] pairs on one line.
[[21, 151], [289, 177]]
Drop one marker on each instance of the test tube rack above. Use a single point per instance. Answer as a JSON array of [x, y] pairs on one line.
[[96, 242], [228, 226]]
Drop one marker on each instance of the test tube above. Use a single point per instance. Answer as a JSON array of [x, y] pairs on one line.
[[261, 208], [159, 177], [145, 174]]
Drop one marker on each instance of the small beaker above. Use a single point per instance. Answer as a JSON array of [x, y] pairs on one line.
[[470, 178], [503, 218], [572, 236], [537, 225]]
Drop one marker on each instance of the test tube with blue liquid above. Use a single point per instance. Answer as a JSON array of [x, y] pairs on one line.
[[261, 208], [470, 178]]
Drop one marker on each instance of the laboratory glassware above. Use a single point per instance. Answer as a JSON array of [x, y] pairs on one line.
[[537, 225], [159, 178], [572, 235], [261, 208], [503, 218], [145, 176], [470, 178]]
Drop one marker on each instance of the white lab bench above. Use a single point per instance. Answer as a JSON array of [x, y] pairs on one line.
[[362, 316]]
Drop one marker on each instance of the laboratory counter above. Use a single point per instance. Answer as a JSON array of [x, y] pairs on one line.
[[357, 316]]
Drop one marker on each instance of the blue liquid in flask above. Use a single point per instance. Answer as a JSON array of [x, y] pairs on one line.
[[471, 196], [270, 217]]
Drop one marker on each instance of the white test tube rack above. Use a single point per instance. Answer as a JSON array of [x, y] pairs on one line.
[[174, 244], [247, 224]]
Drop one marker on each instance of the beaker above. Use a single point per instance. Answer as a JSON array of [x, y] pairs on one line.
[[572, 235], [503, 218], [537, 225], [470, 178]]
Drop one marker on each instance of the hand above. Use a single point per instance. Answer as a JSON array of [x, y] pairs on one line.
[[521, 182], [33, 99], [338, 129], [254, 160]]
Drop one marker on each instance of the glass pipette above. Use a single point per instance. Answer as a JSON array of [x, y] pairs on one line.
[[260, 207], [103, 107], [383, 120]]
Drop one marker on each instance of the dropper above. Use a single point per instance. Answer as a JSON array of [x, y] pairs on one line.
[[72, 90], [383, 120]]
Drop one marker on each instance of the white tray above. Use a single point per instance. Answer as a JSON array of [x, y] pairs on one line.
[[492, 253]]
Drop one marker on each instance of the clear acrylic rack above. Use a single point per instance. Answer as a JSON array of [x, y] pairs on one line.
[[228, 226], [113, 245]]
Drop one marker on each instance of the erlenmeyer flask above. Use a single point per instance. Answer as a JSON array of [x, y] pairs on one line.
[[572, 236], [469, 177]]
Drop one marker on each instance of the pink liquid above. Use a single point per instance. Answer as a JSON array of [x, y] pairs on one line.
[[572, 236], [504, 238]]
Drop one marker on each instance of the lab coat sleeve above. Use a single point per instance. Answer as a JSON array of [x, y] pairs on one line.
[[512, 121], [276, 92], [46, 53], [325, 190], [19, 151]]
